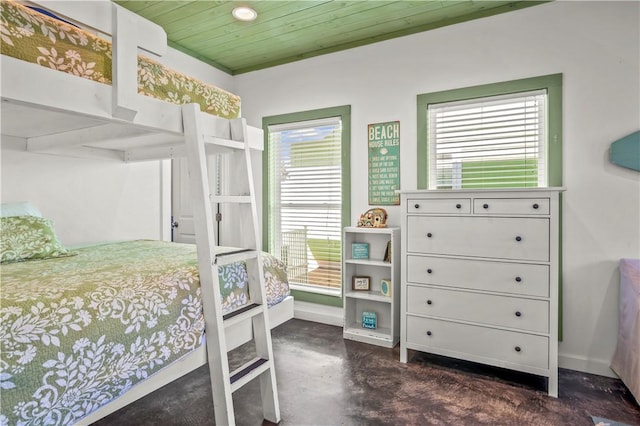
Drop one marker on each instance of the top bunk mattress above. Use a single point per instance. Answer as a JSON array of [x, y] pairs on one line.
[[31, 36]]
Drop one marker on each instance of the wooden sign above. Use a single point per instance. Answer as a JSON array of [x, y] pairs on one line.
[[384, 163]]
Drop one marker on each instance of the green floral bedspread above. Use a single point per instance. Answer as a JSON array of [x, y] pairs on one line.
[[77, 332], [34, 37]]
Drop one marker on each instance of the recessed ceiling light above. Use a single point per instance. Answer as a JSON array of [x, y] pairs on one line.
[[244, 13]]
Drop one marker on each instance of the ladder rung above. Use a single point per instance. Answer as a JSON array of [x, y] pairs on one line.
[[239, 315], [248, 372], [227, 143], [235, 256], [231, 198]]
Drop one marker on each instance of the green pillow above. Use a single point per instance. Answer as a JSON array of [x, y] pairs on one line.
[[28, 238]]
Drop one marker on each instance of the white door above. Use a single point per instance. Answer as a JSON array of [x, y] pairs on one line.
[[183, 227], [183, 230], [236, 221]]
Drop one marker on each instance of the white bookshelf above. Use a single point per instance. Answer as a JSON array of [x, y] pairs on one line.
[[386, 308]]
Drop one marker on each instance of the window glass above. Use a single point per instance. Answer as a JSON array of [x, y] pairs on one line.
[[306, 199], [500, 135], [493, 142]]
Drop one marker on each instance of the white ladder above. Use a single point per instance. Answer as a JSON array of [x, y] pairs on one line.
[[223, 381]]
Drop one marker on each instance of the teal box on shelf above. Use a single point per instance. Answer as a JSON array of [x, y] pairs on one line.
[[360, 250], [369, 320]]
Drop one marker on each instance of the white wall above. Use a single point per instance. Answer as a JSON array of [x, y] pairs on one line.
[[99, 200], [594, 44], [88, 200]]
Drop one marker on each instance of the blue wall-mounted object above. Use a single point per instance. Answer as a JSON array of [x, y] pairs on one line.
[[625, 152]]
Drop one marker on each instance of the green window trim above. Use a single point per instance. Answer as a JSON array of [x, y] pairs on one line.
[[552, 83], [319, 299], [344, 112]]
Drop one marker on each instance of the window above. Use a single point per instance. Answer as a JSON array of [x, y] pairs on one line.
[[504, 135], [307, 195], [487, 143]]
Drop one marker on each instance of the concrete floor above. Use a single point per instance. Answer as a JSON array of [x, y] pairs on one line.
[[325, 380]]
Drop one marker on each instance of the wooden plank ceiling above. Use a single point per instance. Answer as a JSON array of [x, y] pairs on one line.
[[287, 31]]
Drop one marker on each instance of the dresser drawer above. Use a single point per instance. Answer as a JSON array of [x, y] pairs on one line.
[[513, 278], [528, 206], [505, 238], [490, 309], [439, 205], [477, 343]]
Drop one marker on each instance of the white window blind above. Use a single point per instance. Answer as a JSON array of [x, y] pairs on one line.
[[492, 142], [305, 196]]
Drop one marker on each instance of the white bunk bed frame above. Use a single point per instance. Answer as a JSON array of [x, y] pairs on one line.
[[81, 118]]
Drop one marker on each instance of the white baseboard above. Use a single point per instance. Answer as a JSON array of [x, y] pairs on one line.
[[323, 314], [591, 366]]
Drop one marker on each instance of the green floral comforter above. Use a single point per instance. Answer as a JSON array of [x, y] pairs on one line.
[[77, 332], [34, 37]]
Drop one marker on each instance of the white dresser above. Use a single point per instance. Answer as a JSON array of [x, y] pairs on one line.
[[480, 277]]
